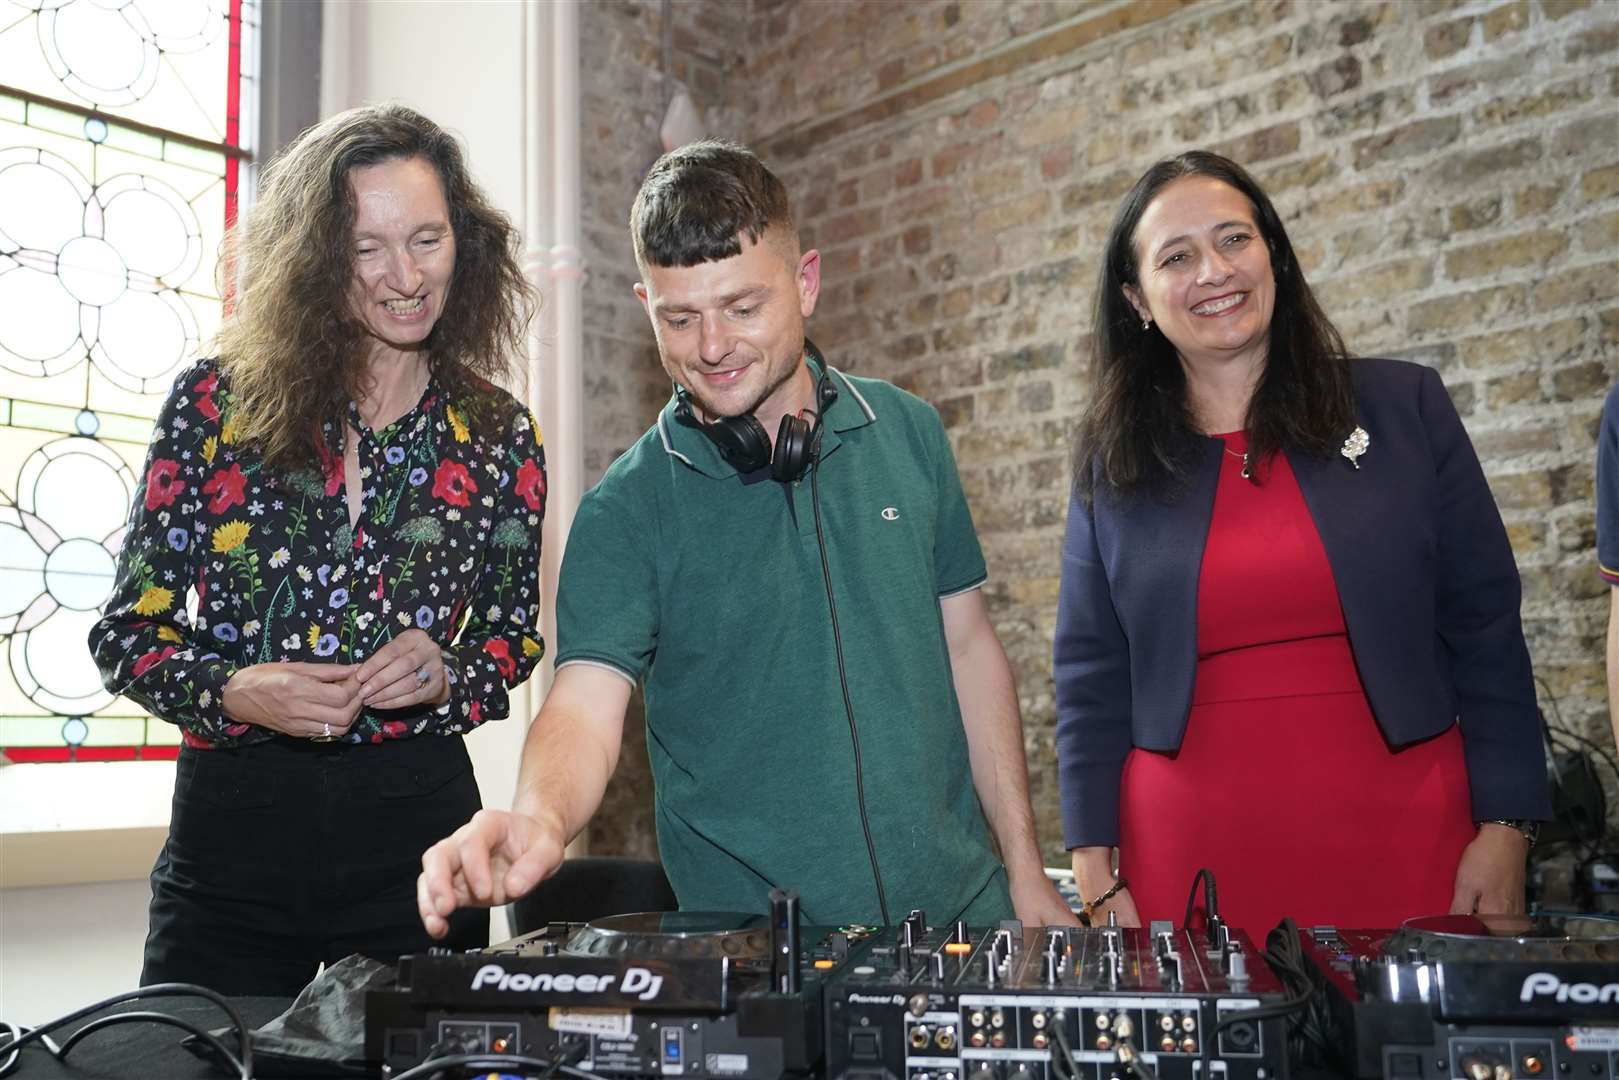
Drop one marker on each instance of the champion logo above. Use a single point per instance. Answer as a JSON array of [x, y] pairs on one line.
[[890, 513]]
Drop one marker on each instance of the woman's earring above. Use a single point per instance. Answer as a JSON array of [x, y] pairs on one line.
[[1146, 324]]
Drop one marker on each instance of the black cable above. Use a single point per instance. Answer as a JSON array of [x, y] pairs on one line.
[[1583, 847], [1062, 1055], [1597, 750], [38, 1034], [571, 1055], [843, 677], [1206, 876], [1311, 1026], [1128, 1054], [1564, 730], [12, 1052], [1558, 736], [497, 1062], [1313, 1036], [1548, 744], [104, 1022]]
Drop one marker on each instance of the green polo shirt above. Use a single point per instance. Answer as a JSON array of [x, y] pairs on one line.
[[707, 586]]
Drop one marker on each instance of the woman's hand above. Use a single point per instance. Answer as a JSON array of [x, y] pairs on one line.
[[1093, 876], [409, 670], [301, 700], [1490, 873]]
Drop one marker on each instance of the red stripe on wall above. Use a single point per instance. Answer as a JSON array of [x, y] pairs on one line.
[[233, 136], [22, 754], [105, 753]]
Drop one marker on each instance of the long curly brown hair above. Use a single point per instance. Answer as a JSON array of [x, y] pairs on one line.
[[293, 349]]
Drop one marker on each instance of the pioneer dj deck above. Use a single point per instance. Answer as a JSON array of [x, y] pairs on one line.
[[665, 994], [1476, 998], [757, 997], [737, 997]]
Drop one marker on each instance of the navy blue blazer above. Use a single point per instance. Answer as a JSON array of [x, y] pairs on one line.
[[1425, 576]]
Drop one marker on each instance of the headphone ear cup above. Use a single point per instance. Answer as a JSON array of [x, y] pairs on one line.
[[792, 448], [742, 441]]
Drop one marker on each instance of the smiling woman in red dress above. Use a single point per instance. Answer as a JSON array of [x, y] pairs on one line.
[[1288, 644]]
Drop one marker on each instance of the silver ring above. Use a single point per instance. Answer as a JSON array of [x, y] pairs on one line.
[[421, 677], [325, 734]]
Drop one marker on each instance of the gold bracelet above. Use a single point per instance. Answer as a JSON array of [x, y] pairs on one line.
[[1092, 905]]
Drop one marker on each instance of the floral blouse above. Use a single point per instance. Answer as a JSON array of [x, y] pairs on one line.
[[448, 540]]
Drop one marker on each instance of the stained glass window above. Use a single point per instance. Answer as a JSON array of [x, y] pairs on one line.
[[123, 133]]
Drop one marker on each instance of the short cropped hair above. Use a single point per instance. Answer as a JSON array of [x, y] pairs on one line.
[[699, 199]]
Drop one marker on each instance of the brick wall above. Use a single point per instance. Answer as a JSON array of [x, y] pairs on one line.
[[1449, 170], [624, 94], [623, 101]]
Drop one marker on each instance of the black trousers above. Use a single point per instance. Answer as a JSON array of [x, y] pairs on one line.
[[288, 854]]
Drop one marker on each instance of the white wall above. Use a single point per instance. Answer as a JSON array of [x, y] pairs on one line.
[[68, 945], [74, 895], [460, 64]]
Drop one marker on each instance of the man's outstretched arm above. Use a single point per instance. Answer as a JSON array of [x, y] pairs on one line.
[[994, 726], [569, 755]]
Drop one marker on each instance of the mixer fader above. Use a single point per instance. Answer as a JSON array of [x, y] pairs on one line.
[[1056, 1003]]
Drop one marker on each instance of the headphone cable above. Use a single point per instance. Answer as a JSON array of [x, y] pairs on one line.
[[843, 675]]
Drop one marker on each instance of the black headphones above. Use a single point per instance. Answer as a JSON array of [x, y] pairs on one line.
[[743, 442]]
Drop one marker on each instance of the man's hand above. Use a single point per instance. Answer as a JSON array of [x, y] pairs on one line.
[[301, 700], [571, 750], [492, 859], [1490, 873], [1037, 902], [994, 729], [409, 670]]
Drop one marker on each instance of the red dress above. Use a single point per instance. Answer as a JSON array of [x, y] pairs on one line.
[[1283, 785]]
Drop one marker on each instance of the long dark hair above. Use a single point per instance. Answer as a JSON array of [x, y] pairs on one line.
[[293, 349], [1138, 430]]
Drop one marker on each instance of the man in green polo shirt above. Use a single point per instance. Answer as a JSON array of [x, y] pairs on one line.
[[786, 562]]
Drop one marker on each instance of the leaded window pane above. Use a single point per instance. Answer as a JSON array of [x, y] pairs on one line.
[[120, 150]]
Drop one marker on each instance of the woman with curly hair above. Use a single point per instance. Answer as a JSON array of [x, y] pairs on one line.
[[354, 507]]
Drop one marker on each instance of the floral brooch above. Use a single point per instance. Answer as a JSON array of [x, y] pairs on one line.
[[1355, 446]]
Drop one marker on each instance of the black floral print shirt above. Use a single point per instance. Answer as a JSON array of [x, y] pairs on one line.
[[448, 540]]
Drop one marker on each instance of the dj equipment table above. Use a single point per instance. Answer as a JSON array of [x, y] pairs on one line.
[[705, 997]]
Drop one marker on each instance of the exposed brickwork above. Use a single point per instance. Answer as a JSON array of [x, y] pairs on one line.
[[1450, 173], [623, 101], [1449, 170]]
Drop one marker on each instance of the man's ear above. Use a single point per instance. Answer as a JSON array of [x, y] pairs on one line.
[[809, 281], [641, 294]]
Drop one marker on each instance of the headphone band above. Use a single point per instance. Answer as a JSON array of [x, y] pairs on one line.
[[745, 445]]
